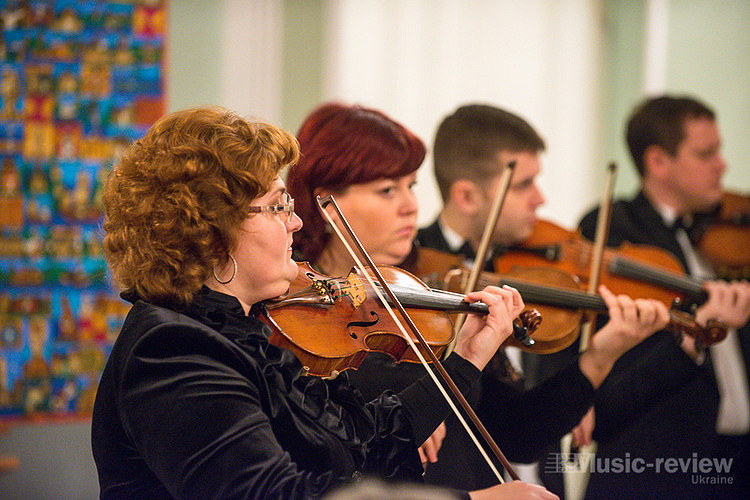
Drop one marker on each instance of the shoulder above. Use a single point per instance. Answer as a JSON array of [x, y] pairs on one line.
[[432, 237], [625, 221], [158, 336]]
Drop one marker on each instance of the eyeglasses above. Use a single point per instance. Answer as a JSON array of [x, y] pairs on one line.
[[286, 206]]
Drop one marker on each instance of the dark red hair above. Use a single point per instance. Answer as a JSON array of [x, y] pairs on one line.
[[342, 145]]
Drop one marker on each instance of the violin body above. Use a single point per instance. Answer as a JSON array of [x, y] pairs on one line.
[[561, 325], [551, 245], [309, 319], [724, 241]]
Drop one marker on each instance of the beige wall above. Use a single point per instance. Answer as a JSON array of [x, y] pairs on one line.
[[708, 55]]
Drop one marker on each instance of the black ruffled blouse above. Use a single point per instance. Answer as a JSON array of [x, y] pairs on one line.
[[198, 404]]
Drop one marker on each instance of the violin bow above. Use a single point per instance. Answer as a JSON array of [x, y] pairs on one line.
[[597, 252], [484, 244], [323, 202], [579, 463]]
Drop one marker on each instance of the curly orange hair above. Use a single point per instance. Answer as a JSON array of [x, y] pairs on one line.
[[175, 201]]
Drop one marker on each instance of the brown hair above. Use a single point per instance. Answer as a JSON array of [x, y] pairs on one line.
[[660, 121], [467, 143], [342, 145], [175, 201]]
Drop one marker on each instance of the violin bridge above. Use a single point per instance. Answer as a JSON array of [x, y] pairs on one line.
[[355, 290]]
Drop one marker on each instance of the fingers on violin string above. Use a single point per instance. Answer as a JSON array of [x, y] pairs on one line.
[[646, 311], [662, 314], [606, 294], [517, 302], [745, 293], [612, 304], [720, 289], [735, 294], [508, 298], [629, 311], [713, 292], [725, 292], [489, 295]]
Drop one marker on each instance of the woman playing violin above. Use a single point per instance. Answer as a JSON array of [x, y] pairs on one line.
[[194, 401], [369, 162]]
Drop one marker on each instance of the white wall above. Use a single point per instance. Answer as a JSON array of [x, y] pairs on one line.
[[417, 60]]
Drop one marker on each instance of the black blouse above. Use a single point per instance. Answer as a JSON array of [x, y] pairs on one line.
[[198, 404]]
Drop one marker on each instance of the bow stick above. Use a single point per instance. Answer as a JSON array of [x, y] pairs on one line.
[[602, 230]]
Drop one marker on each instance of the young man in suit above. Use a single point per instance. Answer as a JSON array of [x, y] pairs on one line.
[[471, 147], [675, 145]]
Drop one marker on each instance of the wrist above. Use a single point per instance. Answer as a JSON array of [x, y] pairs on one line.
[[475, 360], [595, 366]]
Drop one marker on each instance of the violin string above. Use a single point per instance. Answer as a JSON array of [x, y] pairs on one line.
[[411, 343], [536, 293], [650, 274]]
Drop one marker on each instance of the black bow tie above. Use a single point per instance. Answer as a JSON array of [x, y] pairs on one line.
[[466, 251]]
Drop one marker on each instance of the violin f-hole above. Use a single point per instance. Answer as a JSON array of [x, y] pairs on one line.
[[363, 324]]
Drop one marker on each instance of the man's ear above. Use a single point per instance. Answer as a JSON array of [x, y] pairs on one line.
[[656, 161], [466, 196]]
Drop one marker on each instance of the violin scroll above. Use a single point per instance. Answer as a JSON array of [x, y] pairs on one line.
[[682, 323], [529, 320]]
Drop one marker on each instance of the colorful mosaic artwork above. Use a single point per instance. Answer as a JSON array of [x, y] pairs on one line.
[[79, 81]]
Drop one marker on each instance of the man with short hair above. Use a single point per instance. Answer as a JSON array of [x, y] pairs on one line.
[[675, 145], [472, 146]]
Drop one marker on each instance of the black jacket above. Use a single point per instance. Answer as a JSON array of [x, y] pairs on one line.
[[523, 423], [656, 403], [198, 404]]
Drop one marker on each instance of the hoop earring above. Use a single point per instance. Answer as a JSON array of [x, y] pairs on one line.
[[234, 273]]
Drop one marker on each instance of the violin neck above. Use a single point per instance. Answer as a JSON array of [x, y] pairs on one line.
[[691, 287], [533, 293], [438, 300], [530, 292]]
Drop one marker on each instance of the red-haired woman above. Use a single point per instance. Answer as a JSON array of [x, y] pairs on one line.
[[369, 163], [195, 402]]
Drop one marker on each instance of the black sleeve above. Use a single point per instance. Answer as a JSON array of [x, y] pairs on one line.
[[425, 406], [527, 422], [194, 419], [645, 374]]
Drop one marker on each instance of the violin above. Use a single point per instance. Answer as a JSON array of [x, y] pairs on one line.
[[358, 323], [355, 296], [640, 271], [724, 239], [557, 296]]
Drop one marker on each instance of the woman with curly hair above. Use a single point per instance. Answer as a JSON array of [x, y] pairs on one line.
[[194, 401]]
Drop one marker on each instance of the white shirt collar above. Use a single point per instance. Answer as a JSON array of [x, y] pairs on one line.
[[454, 240], [667, 213]]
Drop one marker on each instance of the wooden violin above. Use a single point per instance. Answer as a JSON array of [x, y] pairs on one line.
[[556, 295], [349, 310], [640, 271], [724, 240]]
